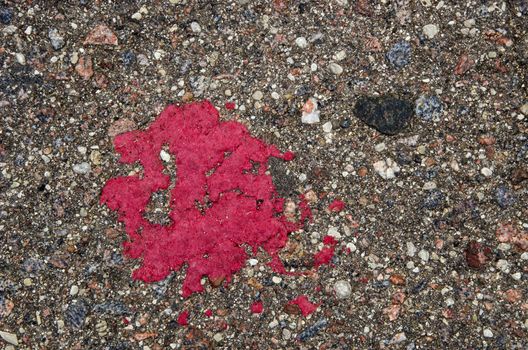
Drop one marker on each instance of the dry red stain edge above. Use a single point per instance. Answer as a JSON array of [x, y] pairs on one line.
[[337, 205], [257, 307], [325, 255], [304, 304], [183, 318], [219, 202]]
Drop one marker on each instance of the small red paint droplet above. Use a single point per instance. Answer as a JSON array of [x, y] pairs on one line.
[[336, 205], [304, 304], [257, 307], [230, 106], [208, 312], [183, 318], [289, 155]]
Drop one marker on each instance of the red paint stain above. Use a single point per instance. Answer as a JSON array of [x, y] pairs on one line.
[[208, 312], [336, 205], [304, 304], [257, 307], [219, 202], [183, 318], [325, 255], [230, 106]]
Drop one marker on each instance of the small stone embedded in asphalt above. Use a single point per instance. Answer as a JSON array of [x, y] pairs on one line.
[[335, 68], [112, 308], [128, 57], [301, 42], [75, 314], [429, 107], [433, 199], [430, 30], [57, 40], [82, 168], [312, 330], [387, 114], [345, 123], [6, 15], [400, 54], [342, 289], [505, 197]]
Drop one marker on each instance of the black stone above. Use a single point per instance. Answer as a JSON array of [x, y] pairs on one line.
[[387, 114]]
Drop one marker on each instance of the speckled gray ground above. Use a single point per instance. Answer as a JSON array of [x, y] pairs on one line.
[[433, 238]]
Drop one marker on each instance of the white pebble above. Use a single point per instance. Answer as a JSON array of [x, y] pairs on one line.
[[165, 156], [430, 30], [301, 42], [276, 279], [488, 333], [343, 289], [327, 127], [82, 168], [335, 68], [486, 172], [195, 27]]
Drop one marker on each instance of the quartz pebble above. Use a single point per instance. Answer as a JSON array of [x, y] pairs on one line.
[[335, 68], [387, 168], [301, 42], [82, 168], [342, 289], [430, 30]]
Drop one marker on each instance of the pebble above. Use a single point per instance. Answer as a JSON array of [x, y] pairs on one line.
[[398, 338], [258, 95], [524, 109], [505, 197], [486, 172], [387, 168], [327, 127], [11, 338], [424, 255], [310, 112], [380, 147], [411, 249], [345, 123], [430, 30], [128, 58], [301, 42], [313, 330], [218, 337], [57, 40], [75, 314], [74, 290], [276, 279], [341, 55], [165, 156], [433, 199], [6, 15], [335, 68], [468, 23], [20, 58], [286, 334], [195, 27], [343, 289], [429, 107], [488, 333], [400, 54], [503, 265], [82, 168], [386, 114]]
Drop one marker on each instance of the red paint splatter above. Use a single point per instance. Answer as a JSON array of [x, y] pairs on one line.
[[208, 312], [230, 106], [287, 156], [183, 318], [336, 205], [257, 307], [304, 304], [219, 202], [325, 255]]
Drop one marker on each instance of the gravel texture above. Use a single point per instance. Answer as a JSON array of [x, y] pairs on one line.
[[431, 247]]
